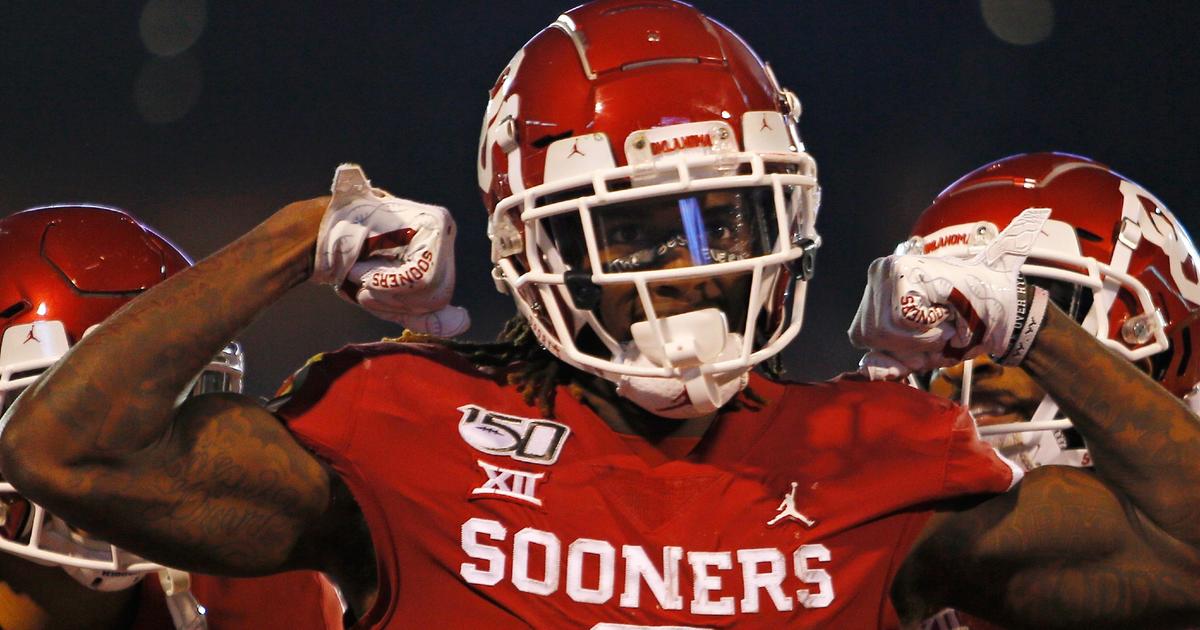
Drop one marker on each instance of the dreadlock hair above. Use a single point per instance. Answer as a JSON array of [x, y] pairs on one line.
[[536, 373], [517, 356]]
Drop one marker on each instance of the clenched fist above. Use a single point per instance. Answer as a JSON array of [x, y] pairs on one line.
[[923, 312], [392, 256]]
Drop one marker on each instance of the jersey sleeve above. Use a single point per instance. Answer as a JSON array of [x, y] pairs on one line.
[[969, 465], [972, 465], [937, 435], [318, 402]]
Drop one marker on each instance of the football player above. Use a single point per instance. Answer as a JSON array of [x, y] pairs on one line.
[[63, 269], [1112, 256], [612, 461], [1135, 291]]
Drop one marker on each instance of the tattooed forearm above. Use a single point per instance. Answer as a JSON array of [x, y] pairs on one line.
[[140, 360], [101, 432], [1060, 551], [1145, 441]]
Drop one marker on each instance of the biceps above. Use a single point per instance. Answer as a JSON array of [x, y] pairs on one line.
[[1060, 550], [228, 490], [1122, 592]]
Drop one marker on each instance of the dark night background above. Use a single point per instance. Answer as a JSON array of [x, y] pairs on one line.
[[247, 106]]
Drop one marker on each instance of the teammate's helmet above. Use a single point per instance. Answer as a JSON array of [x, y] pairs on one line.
[[63, 270], [1111, 254], [632, 145]]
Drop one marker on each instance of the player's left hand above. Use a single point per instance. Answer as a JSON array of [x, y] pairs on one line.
[[393, 257], [923, 312]]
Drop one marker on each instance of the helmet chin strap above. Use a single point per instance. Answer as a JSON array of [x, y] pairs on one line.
[[186, 612], [686, 341]]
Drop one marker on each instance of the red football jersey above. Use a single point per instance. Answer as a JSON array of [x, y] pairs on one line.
[[796, 513], [297, 600]]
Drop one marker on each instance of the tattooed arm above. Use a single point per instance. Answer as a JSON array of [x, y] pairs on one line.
[[1113, 547], [214, 484]]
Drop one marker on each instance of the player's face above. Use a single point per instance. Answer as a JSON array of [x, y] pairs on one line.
[[998, 394], [675, 233], [13, 510]]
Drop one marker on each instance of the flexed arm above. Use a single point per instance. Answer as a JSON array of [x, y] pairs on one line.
[[1117, 547], [1145, 441], [215, 483], [101, 437], [1112, 547]]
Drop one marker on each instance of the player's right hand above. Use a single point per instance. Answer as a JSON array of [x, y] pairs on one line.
[[392, 256]]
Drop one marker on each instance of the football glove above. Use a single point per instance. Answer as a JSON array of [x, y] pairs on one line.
[[391, 256], [923, 312]]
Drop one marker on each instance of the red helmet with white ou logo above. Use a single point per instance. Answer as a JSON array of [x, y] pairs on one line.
[[1111, 254], [63, 270], [633, 146]]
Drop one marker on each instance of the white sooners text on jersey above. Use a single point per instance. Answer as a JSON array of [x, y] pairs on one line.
[[490, 565]]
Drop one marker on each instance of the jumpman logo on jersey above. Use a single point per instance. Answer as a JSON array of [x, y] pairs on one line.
[[31, 337], [575, 150], [787, 509], [765, 125]]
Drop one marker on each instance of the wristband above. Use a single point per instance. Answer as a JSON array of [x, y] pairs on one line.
[[1030, 314]]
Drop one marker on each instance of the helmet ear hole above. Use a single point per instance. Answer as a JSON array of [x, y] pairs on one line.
[[14, 309], [1185, 342], [549, 139]]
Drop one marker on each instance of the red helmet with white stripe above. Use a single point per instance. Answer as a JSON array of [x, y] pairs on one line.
[[1112, 254], [634, 146]]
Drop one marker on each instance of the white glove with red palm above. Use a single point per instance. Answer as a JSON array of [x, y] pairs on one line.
[[393, 257], [924, 312]]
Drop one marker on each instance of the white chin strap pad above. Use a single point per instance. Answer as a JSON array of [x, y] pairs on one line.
[[689, 339], [687, 342]]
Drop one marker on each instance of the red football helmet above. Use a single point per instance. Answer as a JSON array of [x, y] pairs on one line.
[[1111, 254], [637, 144], [63, 270]]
